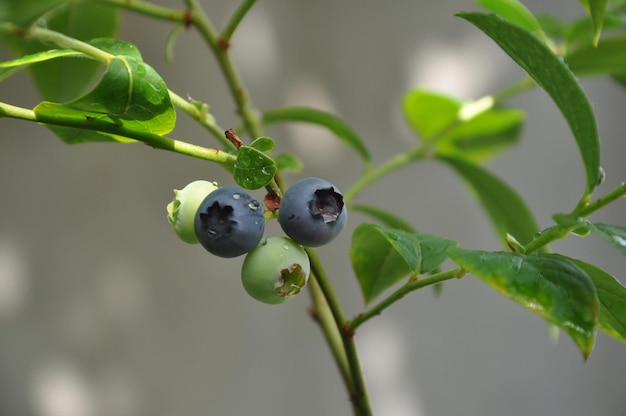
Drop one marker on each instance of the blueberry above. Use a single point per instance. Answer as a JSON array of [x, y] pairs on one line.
[[275, 271], [181, 212], [312, 212], [229, 222]]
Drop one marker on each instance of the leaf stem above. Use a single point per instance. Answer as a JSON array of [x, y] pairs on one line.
[[514, 89], [96, 124], [411, 285], [44, 35], [323, 316], [203, 117], [396, 162], [236, 18], [558, 231], [357, 389], [150, 9], [220, 47]]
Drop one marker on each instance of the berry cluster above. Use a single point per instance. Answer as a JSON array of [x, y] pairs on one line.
[[229, 222]]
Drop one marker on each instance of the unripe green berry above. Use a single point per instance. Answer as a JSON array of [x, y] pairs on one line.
[[181, 212], [276, 270]]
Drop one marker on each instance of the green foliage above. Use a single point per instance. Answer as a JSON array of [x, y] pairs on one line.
[[515, 12], [607, 57], [549, 285], [253, 169], [131, 102], [507, 210], [60, 79], [611, 295], [551, 73], [130, 94], [382, 256], [471, 130], [321, 118], [613, 234], [596, 10]]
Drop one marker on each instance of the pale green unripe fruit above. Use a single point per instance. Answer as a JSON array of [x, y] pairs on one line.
[[276, 270], [181, 212]]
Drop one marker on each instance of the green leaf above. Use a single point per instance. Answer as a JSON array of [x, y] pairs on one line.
[[553, 75], [612, 297], [130, 94], [613, 234], [429, 113], [117, 47], [596, 10], [507, 210], [475, 135], [321, 118], [515, 12], [381, 257], [434, 251], [553, 287], [387, 218], [263, 144], [483, 136], [11, 67], [608, 57], [253, 169], [60, 79], [288, 162]]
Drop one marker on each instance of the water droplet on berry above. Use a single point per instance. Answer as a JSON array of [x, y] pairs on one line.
[[236, 196], [254, 205]]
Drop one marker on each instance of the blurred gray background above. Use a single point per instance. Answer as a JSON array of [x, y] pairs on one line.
[[104, 312]]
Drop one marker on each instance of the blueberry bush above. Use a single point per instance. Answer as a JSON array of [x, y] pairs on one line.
[[115, 96]]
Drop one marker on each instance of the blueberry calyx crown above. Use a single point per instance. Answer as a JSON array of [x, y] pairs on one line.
[[326, 203]]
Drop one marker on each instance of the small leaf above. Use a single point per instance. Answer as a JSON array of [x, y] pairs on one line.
[[61, 79], [263, 144], [289, 163], [387, 218], [551, 73], [253, 169], [612, 297], [505, 207], [596, 10], [613, 234], [117, 47], [515, 12], [381, 257], [429, 113], [321, 118], [608, 57], [483, 136], [24, 61], [475, 135], [130, 93], [434, 251], [550, 285]]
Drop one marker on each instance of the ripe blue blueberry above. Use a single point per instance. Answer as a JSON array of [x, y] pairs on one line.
[[229, 222], [312, 212], [276, 270]]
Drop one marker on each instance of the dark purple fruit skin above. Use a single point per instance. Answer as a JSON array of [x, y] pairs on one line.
[[312, 212], [229, 222]]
